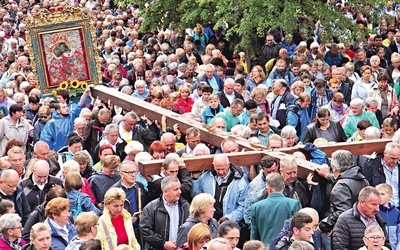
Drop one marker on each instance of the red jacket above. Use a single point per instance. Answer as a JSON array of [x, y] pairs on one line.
[[182, 106]]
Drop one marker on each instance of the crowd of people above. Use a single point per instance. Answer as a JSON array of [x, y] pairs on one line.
[[69, 170]]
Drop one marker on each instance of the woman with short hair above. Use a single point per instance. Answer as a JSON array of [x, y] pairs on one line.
[[11, 232], [86, 228], [40, 237], [201, 210], [116, 222], [62, 230]]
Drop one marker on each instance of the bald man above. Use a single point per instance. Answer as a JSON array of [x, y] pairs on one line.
[[41, 151], [39, 182], [9, 190], [227, 184]]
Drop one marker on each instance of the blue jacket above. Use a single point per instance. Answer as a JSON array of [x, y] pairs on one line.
[[58, 242], [312, 108], [288, 76], [233, 202], [333, 60], [297, 118], [251, 84], [291, 48], [208, 116], [391, 215], [217, 78], [55, 132], [86, 203]]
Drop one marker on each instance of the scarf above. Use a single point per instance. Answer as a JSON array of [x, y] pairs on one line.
[[337, 110], [16, 245], [383, 93], [61, 231]]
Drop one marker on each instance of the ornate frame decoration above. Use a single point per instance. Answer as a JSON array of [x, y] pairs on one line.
[[62, 47]]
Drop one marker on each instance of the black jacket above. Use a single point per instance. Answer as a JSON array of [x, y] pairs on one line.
[[190, 222], [335, 129], [100, 183], [344, 195], [349, 230], [184, 177], [154, 224], [21, 204], [93, 134], [224, 101], [32, 192], [302, 190], [373, 171], [36, 216]]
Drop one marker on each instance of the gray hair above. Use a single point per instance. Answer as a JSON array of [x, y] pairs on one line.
[[19, 97], [211, 243], [140, 83], [132, 115], [166, 182], [288, 131], [8, 221], [275, 181], [357, 102], [80, 120], [241, 131], [366, 192], [342, 160], [288, 162], [143, 156], [301, 245], [391, 146], [133, 146], [371, 102], [373, 132], [111, 128], [202, 147], [374, 228], [167, 161], [229, 81]]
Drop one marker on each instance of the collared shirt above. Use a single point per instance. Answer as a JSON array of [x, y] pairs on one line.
[[126, 135], [189, 152], [230, 97], [392, 178], [321, 101], [41, 187], [264, 138], [368, 221], [173, 212], [223, 180]]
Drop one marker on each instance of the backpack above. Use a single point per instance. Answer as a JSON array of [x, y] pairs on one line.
[[77, 209]]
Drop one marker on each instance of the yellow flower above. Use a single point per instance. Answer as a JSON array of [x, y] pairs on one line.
[[74, 84], [63, 85], [54, 92], [84, 85]]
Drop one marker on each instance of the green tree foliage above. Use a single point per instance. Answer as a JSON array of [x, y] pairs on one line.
[[248, 21]]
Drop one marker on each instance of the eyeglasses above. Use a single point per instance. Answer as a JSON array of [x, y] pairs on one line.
[[373, 238], [130, 172], [13, 228], [238, 110]]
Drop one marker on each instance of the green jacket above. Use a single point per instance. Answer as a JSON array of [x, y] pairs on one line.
[[269, 215], [230, 120], [350, 123]]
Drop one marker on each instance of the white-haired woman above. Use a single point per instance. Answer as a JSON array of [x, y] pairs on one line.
[[11, 232]]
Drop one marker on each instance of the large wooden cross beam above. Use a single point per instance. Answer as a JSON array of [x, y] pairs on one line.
[[253, 153]]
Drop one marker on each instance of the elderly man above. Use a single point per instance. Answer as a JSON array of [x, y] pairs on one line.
[[227, 184], [228, 94], [357, 114], [112, 138], [41, 151], [169, 141], [9, 190], [349, 229], [231, 114], [270, 49], [219, 123], [211, 78], [39, 183], [385, 169], [294, 187], [349, 181], [283, 207], [162, 217], [129, 130], [135, 192]]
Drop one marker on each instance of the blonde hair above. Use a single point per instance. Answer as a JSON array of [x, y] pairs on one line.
[[385, 187], [200, 204], [114, 194]]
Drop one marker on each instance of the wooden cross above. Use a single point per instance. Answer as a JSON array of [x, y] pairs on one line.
[[252, 154]]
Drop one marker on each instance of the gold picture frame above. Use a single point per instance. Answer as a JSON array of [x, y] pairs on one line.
[[62, 47]]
